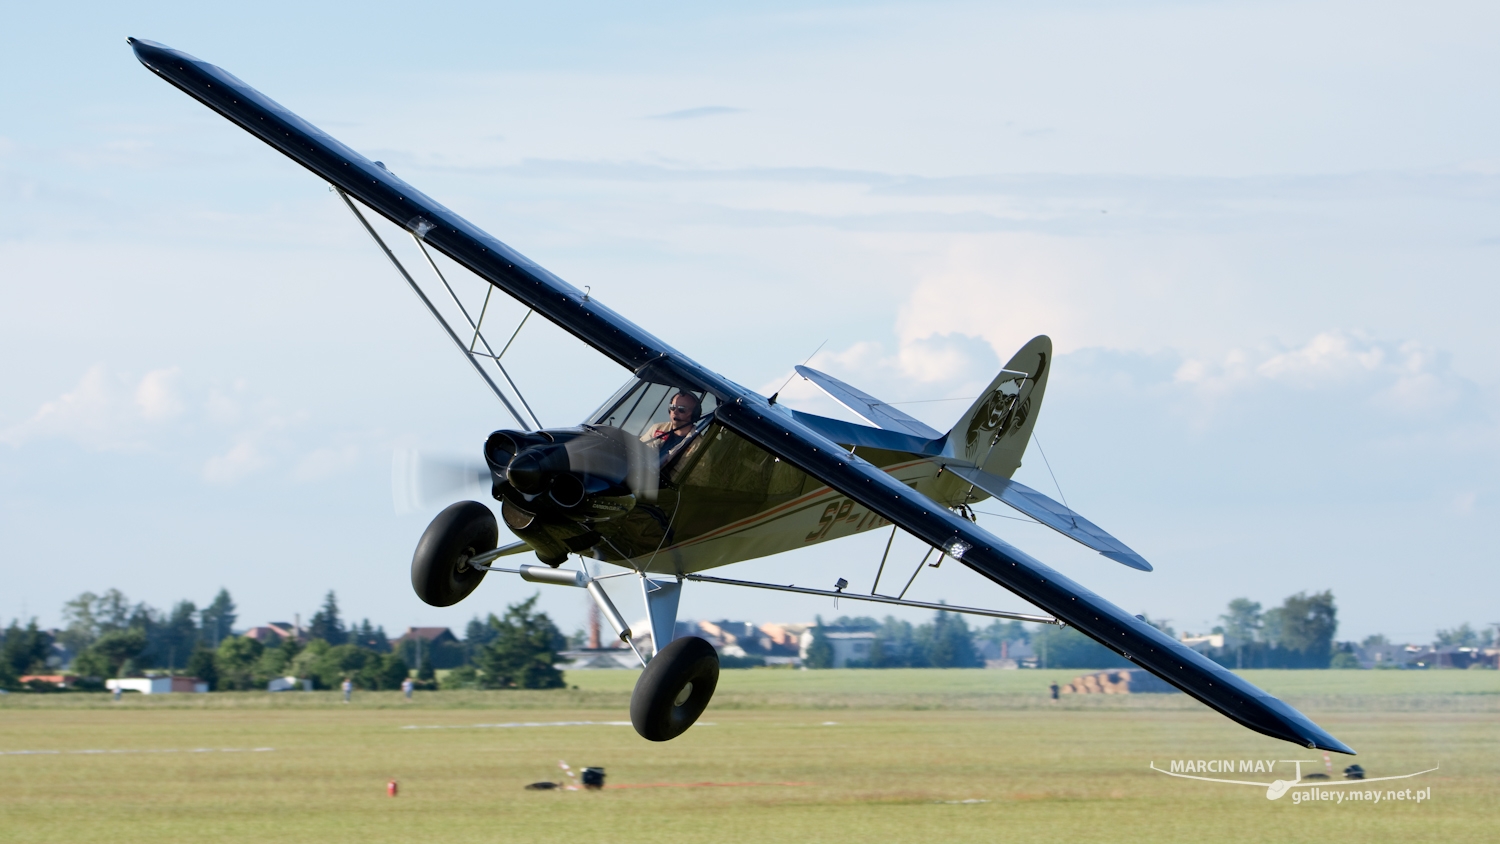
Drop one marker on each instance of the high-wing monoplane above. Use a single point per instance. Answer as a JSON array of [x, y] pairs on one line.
[[683, 471]]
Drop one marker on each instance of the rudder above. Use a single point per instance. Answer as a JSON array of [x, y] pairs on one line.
[[993, 433]]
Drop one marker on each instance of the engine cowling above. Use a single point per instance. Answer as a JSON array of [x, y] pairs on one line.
[[558, 487]]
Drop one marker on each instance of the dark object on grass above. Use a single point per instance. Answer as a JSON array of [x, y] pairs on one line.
[[593, 778], [1354, 772], [674, 689], [1316, 777], [543, 786]]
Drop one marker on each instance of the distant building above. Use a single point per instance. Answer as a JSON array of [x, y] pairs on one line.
[[1009, 654], [850, 644], [429, 635], [1204, 644], [158, 685]]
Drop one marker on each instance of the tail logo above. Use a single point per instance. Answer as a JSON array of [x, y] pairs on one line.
[[999, 412], [1003, 411]]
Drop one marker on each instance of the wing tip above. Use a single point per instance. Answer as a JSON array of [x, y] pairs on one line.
[[1129, 558]]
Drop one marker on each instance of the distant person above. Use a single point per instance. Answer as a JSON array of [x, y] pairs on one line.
[[406, 686], [348, 689], [118, 692], [1054, 690]]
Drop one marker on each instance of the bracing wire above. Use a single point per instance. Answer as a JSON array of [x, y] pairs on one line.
[[1071, 515]]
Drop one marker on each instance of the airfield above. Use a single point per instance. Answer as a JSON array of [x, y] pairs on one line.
[[781, 755]]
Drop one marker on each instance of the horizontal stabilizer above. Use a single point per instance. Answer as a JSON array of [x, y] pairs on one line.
[[849, 434], [867, 407], [1054, 515]]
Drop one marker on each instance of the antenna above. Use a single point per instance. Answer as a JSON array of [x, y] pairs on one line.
[[794, 371]]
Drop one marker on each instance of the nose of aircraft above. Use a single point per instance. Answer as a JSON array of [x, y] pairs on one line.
[[525, 472]]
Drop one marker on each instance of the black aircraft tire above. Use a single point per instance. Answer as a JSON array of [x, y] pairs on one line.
[[440, 571], [674, 689]]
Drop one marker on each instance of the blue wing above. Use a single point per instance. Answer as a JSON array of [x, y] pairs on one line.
[[871, 409], [1053, 514], [773, 428]]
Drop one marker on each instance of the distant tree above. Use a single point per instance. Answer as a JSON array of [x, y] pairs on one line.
[[948, 643], [1376, 640], [109, 653], [1065, 647], [306, 663], [463, 677], [79, 627], [369, 637], [274, 661], [200, 664], [1000, 632], [1462, 636], [383, 671], [1343, 657], [218, 619], [1308, 625], [235, 661], [180, 634], [477, 634], [368, 669], [1161, 625], [897, 645], [25, 649], [326, 624], [524, 650], [819, 650], [89, 616], [1242, 622]]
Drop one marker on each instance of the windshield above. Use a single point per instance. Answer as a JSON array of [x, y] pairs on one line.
[[644, 408]]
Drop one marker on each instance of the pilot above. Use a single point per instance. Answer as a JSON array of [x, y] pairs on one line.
[[683, 412]]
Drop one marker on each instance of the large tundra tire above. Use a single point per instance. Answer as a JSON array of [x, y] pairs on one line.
[[440, 570], [674, 689]]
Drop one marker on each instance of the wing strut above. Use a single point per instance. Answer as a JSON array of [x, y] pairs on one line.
[[876, 599], [489, 352], [473, 357]]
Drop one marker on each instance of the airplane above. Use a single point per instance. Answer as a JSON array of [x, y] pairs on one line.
[[683, 471]]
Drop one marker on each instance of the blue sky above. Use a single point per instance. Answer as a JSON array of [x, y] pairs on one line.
[[1263, 237]]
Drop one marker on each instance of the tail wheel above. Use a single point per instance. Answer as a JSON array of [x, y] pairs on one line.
[[440, 570], [674, 689]]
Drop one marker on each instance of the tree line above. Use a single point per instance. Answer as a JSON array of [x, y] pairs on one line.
[[105, 635], [1300, 633]]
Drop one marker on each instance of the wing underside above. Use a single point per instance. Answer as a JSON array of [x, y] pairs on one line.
[[1053, 514], [772, 428]]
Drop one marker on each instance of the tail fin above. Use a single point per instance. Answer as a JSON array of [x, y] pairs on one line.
[[994, 432]]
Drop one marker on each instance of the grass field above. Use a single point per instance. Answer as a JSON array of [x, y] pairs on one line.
[[877, 756]]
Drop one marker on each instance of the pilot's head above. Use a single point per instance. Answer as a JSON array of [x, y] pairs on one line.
[[684, 408]]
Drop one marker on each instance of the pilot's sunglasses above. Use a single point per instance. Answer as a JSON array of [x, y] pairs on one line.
[[679, 408]]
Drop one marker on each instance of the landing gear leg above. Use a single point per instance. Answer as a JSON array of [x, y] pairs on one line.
[[674, 689]]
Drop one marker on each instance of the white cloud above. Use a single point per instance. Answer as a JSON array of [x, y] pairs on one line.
[[118, 412], [157, 395], [242, 459], [1405, 377], [94, 413], [326, 462]]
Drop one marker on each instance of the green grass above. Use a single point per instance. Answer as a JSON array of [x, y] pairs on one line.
[[1076, 770]]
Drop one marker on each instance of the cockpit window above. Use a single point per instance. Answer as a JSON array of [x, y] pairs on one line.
[[641, 406]]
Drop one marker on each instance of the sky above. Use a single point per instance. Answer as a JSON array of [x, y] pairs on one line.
[[1262, 236]]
